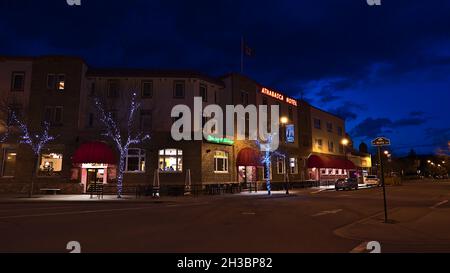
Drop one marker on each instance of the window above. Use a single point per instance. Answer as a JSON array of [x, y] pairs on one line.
[[61, 82], [204, 92], [50, 164], [215, 97], [220, 162], [329, 127], [51, 81], [135, 161], [54, 115], [113, 89], [317, 123], [178, 90], [318, 143], [293, 165], [281, 165], [9, 163], [331, 146], [339, 129], [171, 160], [56, 81], [18, 81], [291, 114], [146, 120], [244, 97], [264, 101], [147, 89]]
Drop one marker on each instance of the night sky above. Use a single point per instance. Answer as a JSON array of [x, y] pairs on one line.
[[386, 69]]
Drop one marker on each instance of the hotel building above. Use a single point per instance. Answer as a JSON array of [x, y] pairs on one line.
[[62, 91]]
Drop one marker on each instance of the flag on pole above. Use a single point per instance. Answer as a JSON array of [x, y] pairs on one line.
[[246, 50]]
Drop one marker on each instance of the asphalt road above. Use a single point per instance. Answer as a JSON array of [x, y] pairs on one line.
[[303, 222]]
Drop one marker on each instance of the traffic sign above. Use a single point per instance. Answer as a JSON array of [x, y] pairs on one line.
[[381, 141]]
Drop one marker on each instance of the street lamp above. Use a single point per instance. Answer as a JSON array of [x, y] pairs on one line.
[[284, 121]]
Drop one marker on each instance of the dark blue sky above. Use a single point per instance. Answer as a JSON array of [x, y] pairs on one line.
[[386, 68]]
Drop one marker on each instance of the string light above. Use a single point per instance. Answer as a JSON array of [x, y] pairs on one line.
[[267, 156], [122, 143]]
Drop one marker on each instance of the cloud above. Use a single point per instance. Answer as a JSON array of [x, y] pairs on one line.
[[348, 110]]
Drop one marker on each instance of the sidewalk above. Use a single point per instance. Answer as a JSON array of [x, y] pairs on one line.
[[410, 226], [86, 198]]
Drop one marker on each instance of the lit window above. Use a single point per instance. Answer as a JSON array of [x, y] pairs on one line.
[[281, 165], [61, 82], [293, 165], [318, 143], [220, 162], [9, 162], [50, 164], [135, 160], [171, 160]]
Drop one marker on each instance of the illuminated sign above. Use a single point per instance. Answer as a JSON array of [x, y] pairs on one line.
[[278, 96], [291, 101], [218, 140], [290, 133]]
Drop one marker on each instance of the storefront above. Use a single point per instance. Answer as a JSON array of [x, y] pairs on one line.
[[327, 168], [95, 164], [249, 166]]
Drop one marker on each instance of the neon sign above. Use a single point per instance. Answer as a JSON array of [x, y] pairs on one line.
[[278, 96], [218, 140]]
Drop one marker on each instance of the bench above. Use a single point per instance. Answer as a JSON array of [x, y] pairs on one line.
[[48, 191]]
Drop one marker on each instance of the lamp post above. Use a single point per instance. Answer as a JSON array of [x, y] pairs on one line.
[[284, 121], [345, 143]]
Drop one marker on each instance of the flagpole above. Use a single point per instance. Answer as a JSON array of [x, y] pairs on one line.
[[242, 54]]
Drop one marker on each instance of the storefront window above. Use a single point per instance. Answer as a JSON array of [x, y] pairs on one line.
[[50, 164], [9, 163], [171, 160], [220, 162], [293, 165], [281, 165], [135, 160]]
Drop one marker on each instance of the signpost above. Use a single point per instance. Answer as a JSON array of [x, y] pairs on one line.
[[381, 142]]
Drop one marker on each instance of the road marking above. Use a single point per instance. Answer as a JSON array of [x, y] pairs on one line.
[[70, 213], [319, 191], [440, 204], [327, 212]]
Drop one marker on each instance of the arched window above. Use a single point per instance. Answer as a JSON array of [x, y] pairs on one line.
[[170, 160]]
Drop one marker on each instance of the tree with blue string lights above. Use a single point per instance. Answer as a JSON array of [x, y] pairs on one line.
[[122, 140]]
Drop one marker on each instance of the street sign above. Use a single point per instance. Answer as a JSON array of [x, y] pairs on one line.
[[381, 141]]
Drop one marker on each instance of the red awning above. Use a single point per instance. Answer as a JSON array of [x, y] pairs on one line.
[[94, 152], [332, 162], [248, 157]]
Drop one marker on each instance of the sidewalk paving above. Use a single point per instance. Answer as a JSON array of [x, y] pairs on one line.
[[411, 226]]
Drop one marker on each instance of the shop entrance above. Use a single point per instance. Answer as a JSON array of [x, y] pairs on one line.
[[93, 177]]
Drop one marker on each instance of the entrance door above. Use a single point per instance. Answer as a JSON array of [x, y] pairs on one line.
[[94, 179]]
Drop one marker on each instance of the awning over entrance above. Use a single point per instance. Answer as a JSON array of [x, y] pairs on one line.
[[331, 162], [248, 157], [94, 152]]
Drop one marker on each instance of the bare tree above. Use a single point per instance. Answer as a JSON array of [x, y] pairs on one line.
[[122, 139]]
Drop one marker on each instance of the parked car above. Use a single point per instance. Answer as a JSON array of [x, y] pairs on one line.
[[346, 184], [372, 180]]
